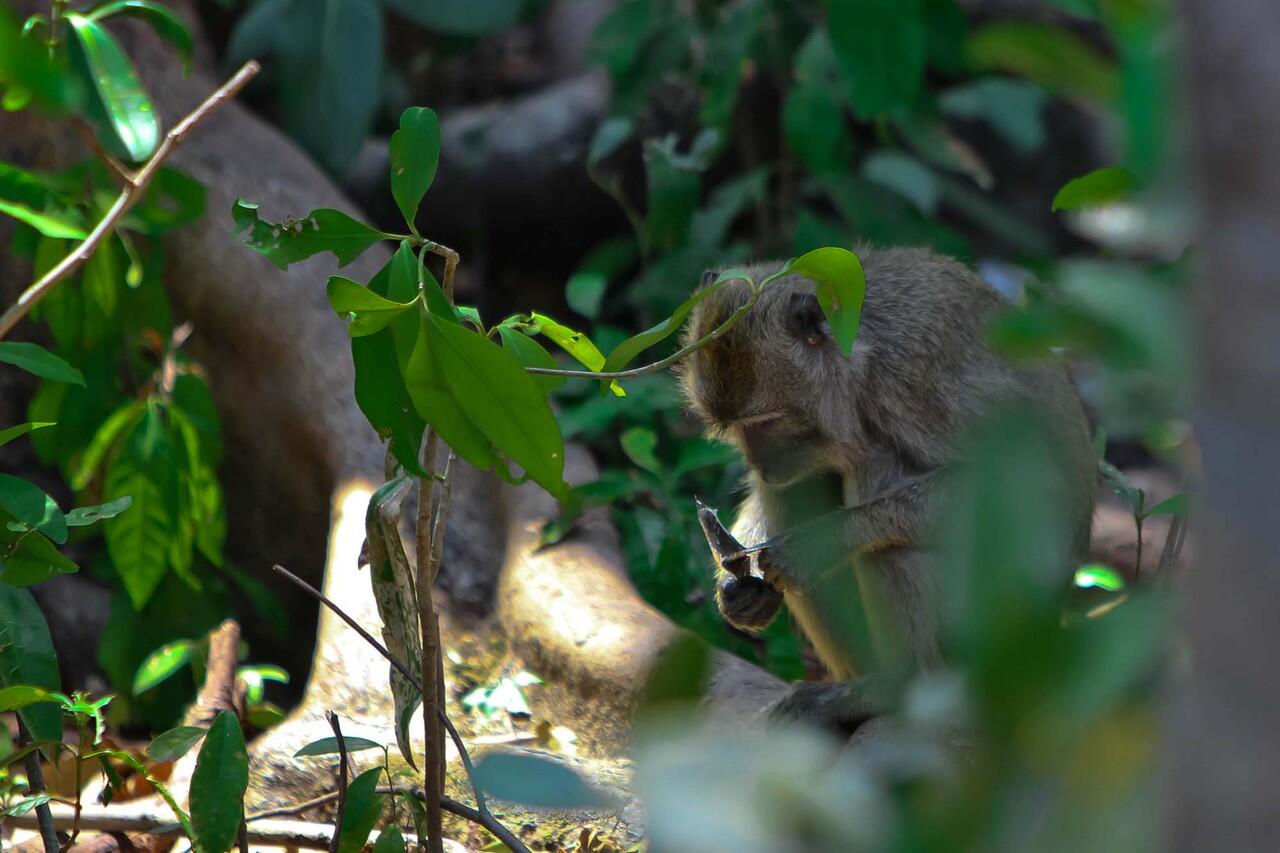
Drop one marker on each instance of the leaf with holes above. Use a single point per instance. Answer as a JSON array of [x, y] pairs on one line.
[[321, 230]]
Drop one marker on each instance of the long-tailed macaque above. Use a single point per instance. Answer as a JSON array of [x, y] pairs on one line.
[[847, 454]]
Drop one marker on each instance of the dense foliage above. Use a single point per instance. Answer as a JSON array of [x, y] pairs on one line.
[[883, 122]]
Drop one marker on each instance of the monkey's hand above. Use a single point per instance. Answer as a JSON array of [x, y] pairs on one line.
[[747, 602]]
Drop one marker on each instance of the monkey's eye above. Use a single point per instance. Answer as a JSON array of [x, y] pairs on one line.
[[807, 320]]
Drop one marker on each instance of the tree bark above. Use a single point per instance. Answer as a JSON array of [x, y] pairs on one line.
[[1225, 742]]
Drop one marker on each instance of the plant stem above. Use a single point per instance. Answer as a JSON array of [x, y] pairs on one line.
[[132, 192], [428, 627], [35, 787], [342, 780]]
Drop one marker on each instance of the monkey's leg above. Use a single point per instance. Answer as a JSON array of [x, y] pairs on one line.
[[841, 706]]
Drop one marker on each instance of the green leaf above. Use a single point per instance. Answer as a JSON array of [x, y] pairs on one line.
[[218, 785], [415, 154], [29, 504], [329, 746], [22, 695], [145, 469], [906, 176], [28, 199], [460, 17], [1096, 575], [814, 127], [364, 807], [389, 841], [841, 288], [35, 560], [393, 592], [621, 355], [576, 344], [1057, 59], [27, 657], [536, 781], [678, 678], [1015, 108], [104, 439], [327, 59], [255, 678], [1096, 189], [881, 45], [34, 358], [673, 181], [26, 805], [166, 24], [322, 230], [434, 401], [1176, 505], [639, 444], [503, 402], [585, 289], [162, 664], [175, 743], [368, 311], [83, 516], [612, 133], [8, 435], [531, 354], [121, 107]]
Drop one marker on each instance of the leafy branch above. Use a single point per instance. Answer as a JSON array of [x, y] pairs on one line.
[[130, 194]]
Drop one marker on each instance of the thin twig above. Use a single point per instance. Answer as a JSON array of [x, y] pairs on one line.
[[403, 670], [477, 816], [656, 366], [268, 833], [87, 135], [133, 190], [342, 780], [35, 787]]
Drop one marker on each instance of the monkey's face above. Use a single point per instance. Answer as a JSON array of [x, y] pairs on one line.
[[775, 384]]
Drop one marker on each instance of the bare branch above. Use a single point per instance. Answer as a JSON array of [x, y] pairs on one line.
[[35, 786], [133, 190]]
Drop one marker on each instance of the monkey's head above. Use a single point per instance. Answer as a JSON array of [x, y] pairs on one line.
[[775, 385]]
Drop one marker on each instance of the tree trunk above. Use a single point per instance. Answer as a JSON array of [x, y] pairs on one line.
[[1225, 743]]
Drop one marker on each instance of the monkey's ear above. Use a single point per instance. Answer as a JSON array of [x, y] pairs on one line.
[[708, 278], [806, 320]]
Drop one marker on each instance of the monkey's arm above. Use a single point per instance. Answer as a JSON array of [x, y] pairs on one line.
[[896, 518]]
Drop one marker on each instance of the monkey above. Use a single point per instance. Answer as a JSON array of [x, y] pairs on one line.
[[847, 457]]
